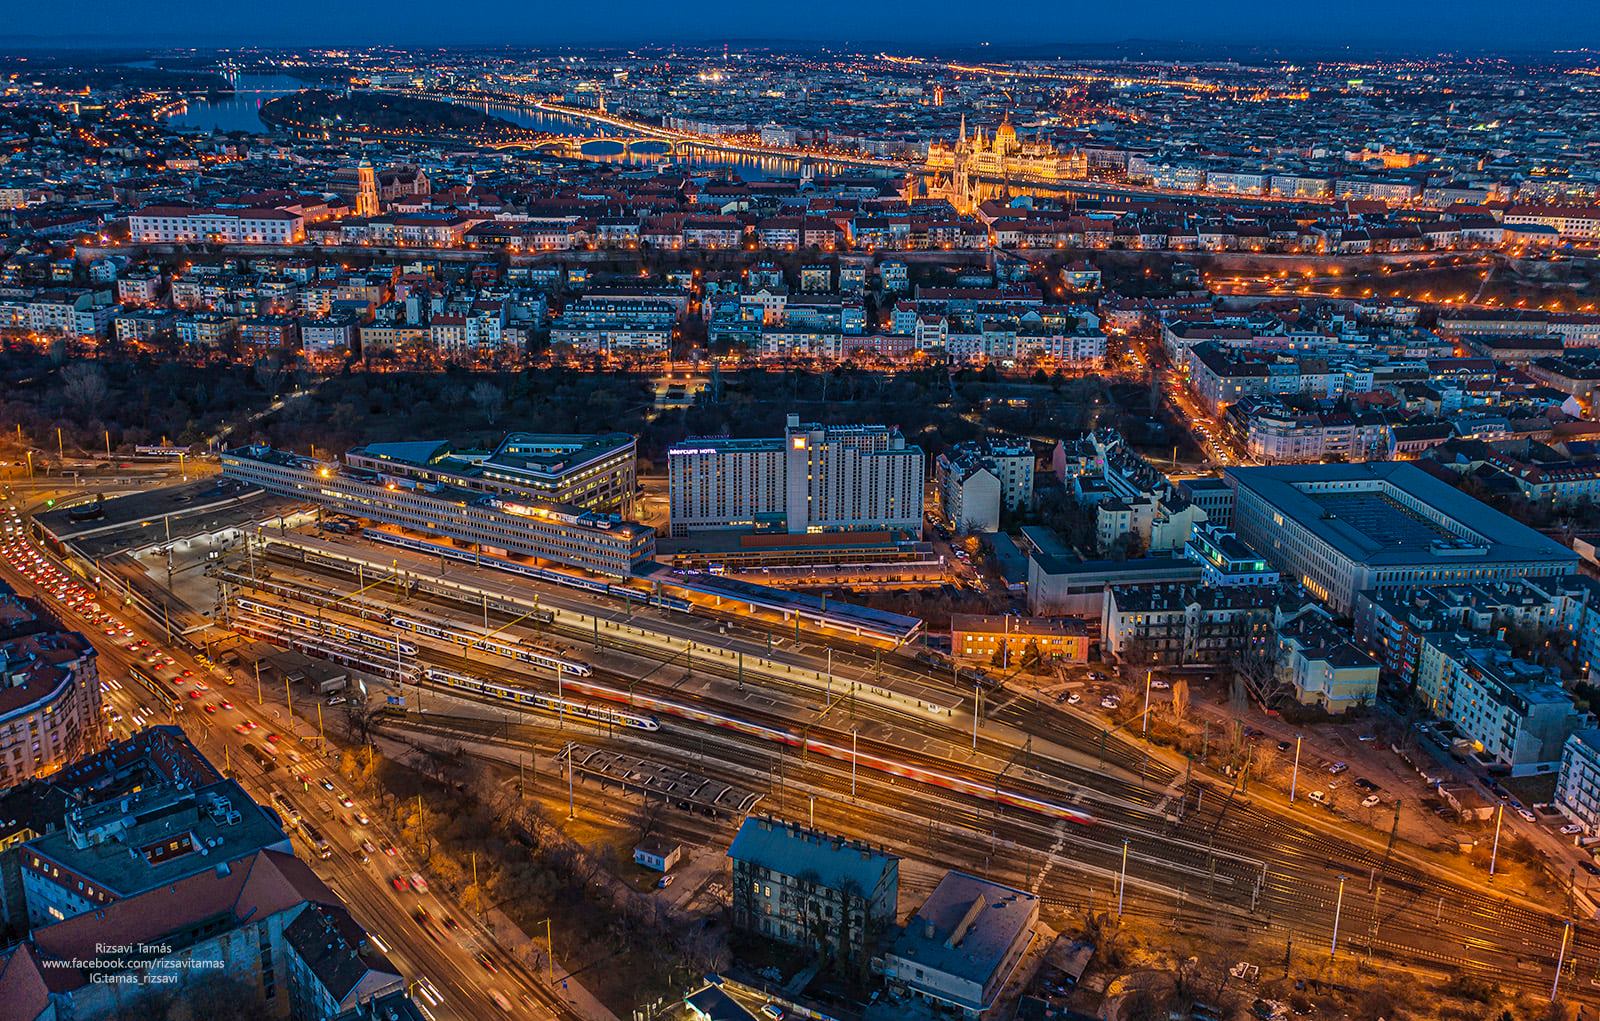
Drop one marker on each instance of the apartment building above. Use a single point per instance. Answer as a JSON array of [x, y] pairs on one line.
[[806, 888], [813, 479]]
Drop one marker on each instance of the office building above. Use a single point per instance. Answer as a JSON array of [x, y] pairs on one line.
[[595, 472], [49, 692], [834, 896], [957, 950], [551, 532], [813, 479], [1341, 529]]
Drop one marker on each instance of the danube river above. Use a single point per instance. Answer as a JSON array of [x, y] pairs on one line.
[[242, 112]]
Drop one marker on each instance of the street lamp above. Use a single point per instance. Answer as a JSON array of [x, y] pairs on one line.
[[1148, 674], [1494, 853], [1294, 777], [1333, 948], [1122, 881]]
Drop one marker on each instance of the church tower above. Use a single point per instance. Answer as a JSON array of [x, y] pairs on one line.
[[366, 189]]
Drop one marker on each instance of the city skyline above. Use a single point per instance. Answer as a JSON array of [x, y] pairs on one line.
[[885, 532], [1363, 26]]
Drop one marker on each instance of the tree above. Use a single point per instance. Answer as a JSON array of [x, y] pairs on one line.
[[84, 387], [1180, 699], [490, 399]]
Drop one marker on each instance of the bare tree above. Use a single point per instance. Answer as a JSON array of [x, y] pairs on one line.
[[490, 399], [84, 387], [1180, 699]]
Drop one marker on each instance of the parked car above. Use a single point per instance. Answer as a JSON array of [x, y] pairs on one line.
[[1572, 829], [1319, 797], [1338, 767], [1370, 801]]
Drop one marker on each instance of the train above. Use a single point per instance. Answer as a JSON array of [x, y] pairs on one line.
[[921, 774], [326, 647], [469, 638], [594, 713], [321, 625], [628, 718]]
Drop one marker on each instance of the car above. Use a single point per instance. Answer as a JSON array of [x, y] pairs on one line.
[[391, 851], [361, 817], [450, 922], [195, 693], [664, 882], [1370, 801], [186, 673], [1159, 684], [326, 784], [226, 704], [1109, 702], [1338, 767], [772, 1011], [1319, 797], [366, 846], [273, 738], [1589, 867], [1061, 696], [399, 883], [1527, 815], [1074, 698], [1365, 738], [487, 962], [346, 802], [210, 708], [1284, 746], [1572, 829]]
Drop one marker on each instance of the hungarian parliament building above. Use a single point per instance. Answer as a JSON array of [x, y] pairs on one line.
[[1004, 158]]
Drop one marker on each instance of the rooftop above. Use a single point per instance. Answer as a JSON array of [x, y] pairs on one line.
[[1393, 513], [792, 850], [967, 927]]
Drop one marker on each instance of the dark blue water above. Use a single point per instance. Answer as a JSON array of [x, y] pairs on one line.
[[242, 112]]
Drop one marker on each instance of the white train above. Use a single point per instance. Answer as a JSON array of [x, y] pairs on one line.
[[470, 638], [322, 626], [594, 712]]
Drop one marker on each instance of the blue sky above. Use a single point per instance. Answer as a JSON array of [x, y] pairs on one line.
[[1364, 24]]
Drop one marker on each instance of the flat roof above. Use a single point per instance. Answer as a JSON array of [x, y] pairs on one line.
[[137, 520], [1360, 510]]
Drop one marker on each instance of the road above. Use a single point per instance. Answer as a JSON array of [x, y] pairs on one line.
[[447, 977]]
